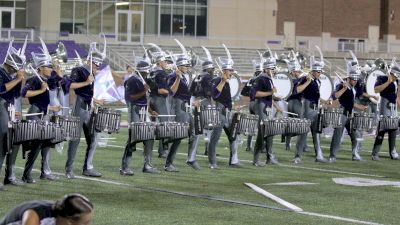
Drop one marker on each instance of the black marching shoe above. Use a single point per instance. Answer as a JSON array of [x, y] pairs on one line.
[[28, 180], [126, 172], [15, 182], [50, 177], [70, 175], [91, 173], [194, 165]]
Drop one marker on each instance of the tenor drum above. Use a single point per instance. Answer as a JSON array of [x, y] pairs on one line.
[[248, 125], [164, 130], [370, 84], [59, 134], [46, 130], [234, 84], [142, 131], [210, 117], [388, 123], [179, 130], [332, 117], [363, 121], [107, 120], [274, 127], [25, 130], [71, 126], [296, 126]]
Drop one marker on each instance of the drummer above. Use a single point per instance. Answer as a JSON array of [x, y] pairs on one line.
[[221, 94], [136, 91], [347, 93], [82, 79], [179, 91], [201, 93], [310, 88], [246, 92], [387, 86], [159, 96], [294, 101], [36, 90], [11, 77], [262, 91]]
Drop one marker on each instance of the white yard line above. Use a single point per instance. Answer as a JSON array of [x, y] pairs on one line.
[[298, 210], [281, 164]]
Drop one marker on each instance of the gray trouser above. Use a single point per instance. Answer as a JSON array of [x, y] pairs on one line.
[[384, 111], [36, 148], [3, 131], [134, 116], [260, 109], [294, 106], [162, 106], [193, 138], [90, 137], [216, 134], [355, 135], [250, 138], [10, 163], [311, 114], [178, 109]]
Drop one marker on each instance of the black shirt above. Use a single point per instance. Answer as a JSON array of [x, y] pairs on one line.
[[80, 74], [42, 208], [203, 87], [223, 97], [347, 98], [295, 95], [41, 100], [159, 81], [311, 92], [8, 96], [390, 92], [133, 86], [262, 83], [53, 81], [183, 88]]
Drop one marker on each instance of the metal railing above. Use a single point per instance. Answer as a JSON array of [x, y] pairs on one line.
[[7, 34]]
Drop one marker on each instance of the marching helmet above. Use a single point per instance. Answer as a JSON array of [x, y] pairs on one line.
[[269, 63], [15, 58], [182, 61], [207, 65], [95, 55], [354, 74], [44, 58], [380, 63], [143, 66], [395, 70]]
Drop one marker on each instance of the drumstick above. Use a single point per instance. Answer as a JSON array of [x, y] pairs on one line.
[[165, 116], [36, 73], [33, 114], [290, 113], [340, 78]]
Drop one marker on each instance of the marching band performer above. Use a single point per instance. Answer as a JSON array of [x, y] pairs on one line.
[[309, 87], [11, 77], [263, 90], [294, 101], [159, 96], [81, 81], [36, 90], [222, 96], [136, 91], [347, 93], [387, 86], [179, 91], [246, 92], [202, 93]]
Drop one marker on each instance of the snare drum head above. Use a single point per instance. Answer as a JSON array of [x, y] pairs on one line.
[[234, 84], [371, 80], [326, 88], [283, 84]]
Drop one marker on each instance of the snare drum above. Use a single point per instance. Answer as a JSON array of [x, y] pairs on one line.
[[142, 131], [210, 117], [332, 117], [107, 120], [274, 127], [363, 121], [388, 123], [248, 125], [179, 130], [25, 130], [59, 134]]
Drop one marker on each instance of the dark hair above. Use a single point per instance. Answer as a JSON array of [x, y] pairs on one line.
[[72, 206], [128, 66]]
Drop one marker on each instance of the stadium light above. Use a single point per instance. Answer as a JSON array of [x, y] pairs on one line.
[[121, 3]]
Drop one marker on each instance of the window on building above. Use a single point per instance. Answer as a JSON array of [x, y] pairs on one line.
[[177, 20], [108, 18], [165, 19], [151, 19], [67, 16], [201, 21], [20, 18], [80, 22], [190, 20], [94, 17]]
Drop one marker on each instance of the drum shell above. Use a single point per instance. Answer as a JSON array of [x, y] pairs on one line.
[[248, 125], [164, 130], [142, 131], [25, 130], [107, 120]]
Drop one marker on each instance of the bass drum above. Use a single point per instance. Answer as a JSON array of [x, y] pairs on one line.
[[283, 84], [370, 84], [326, 88], [234, 84]]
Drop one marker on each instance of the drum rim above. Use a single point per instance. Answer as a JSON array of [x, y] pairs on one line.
[[331, 84], [291, 85]]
